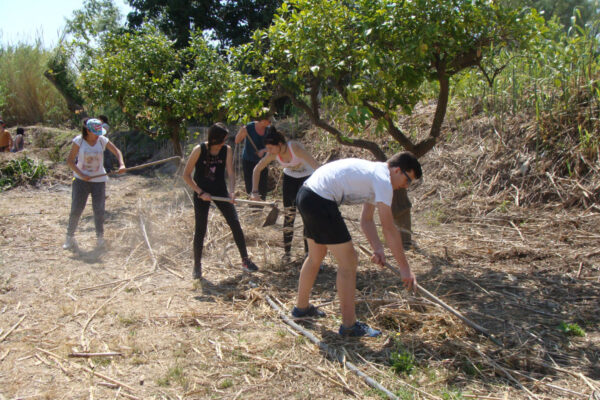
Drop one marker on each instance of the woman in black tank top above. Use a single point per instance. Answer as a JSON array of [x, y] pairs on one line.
[[208, 162]]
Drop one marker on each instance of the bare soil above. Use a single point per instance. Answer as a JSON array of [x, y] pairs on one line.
[[520, 270]]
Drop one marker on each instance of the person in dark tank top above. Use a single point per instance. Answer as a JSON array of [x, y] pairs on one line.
[[205, 174], [254, 150]]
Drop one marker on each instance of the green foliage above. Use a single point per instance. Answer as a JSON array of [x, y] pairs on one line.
[[451, 394], [26, 96], [230, 22], [404, 394], [373, 392], [63, 74], [225, 383], [557, 82], [158, 86], [89, 27], [402, 361], [174, 374], [373, 56], [562, 10], [571, 329], [21, 171]]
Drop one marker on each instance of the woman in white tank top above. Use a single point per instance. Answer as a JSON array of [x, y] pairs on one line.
[[297, 165]]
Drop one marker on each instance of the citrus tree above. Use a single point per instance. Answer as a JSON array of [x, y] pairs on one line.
[[158, 86], [374, 55]]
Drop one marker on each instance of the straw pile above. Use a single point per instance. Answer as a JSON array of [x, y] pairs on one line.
[[141, 328]]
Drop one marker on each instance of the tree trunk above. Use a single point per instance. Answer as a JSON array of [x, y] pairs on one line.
[[401, 208], [177, 144]]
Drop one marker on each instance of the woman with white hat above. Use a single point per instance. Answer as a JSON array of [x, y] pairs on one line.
[[86, 159]]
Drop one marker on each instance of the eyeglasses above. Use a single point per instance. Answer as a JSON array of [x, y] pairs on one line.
[[408, 178]]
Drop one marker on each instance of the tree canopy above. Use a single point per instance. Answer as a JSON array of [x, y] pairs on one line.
[[231, 22], [158, 86], [374, 55]]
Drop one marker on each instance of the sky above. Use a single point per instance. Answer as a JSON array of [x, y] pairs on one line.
[[24, 21]]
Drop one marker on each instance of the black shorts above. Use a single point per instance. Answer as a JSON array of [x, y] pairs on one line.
[[322, 219]]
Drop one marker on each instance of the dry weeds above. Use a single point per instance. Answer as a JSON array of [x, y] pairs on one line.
[[514, 265]]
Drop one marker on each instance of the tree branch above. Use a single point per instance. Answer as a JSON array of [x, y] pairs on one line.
[[313, 113]]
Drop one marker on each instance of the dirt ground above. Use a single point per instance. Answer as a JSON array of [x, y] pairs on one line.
[[520, 272]]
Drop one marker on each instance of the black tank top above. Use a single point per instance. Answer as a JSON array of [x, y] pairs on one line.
[[210, 171]]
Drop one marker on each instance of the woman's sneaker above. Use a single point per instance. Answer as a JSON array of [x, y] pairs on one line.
[[310, 311], [359, 329], [197, 274], [70, 243], [249, 265]]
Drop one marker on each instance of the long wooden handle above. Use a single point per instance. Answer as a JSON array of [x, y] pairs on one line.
[[251, 202], [252, 142], [440, 302], [141, 166]]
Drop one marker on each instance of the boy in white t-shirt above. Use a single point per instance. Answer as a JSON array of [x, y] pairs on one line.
[[351, 181]]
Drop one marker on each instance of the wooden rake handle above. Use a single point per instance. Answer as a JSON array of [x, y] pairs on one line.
[[251, 202], [252, 142], [425, 293], [141, 166]]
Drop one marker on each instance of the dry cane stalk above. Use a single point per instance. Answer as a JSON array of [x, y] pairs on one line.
[[89, 355], [15, 326], [106, 378], [331, 352]]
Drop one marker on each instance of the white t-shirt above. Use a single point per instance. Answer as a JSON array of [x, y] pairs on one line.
[[353, 181], [90, 159]]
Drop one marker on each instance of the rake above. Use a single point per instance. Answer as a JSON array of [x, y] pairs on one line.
[[271, 217]]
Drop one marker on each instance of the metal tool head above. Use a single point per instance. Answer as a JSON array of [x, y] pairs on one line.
[[271, 217]]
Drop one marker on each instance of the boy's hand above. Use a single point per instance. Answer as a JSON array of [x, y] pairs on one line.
[[409, 279], [378, 257]]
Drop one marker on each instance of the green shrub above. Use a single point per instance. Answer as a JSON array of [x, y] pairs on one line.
[[27, 96], [402, 361], [571, 329], [22, 171]]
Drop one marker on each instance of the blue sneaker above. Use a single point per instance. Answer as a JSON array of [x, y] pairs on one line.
[[311, 311], [359, 329]]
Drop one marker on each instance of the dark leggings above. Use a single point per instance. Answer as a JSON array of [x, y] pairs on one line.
[[79, 194], [290, 190], [262, 185], [201, 208]]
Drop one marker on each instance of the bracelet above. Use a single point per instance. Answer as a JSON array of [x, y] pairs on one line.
[[201, 192], [255, 192]]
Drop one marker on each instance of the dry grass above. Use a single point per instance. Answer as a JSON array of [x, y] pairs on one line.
[[519, 270]]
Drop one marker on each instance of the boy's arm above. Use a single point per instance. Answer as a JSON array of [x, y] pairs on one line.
[[393, 239], [367, 224]]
